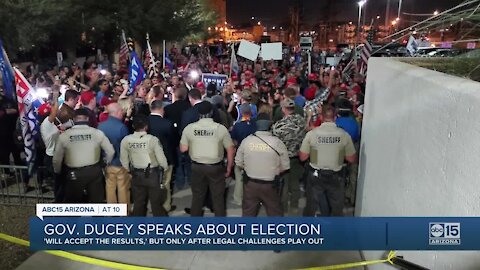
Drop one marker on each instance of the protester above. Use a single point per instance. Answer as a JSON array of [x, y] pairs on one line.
[[117, 178]]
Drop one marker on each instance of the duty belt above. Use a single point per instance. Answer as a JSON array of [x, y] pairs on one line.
[[258, 181], [317, 172], [83, 167], [143, 170], [214, 164]]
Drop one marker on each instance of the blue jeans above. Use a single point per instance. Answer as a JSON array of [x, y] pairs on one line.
[[183, 171]]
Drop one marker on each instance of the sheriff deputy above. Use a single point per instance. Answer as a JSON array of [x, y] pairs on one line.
[[327, 146], [205, 142], [263, 157], [79, 150], [143, 156]]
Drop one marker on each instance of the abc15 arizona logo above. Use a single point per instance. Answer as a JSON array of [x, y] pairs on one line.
[[442, 233]]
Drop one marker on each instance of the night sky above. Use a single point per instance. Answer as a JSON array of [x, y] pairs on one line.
[[275, 12]]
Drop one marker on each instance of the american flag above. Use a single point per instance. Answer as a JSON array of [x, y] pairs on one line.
[[366, 52], [234, 67], [348, 70], [123, 51], [150, 61], [364, 56], [6, 73], [28, 118]]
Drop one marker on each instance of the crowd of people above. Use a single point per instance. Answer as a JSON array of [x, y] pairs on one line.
[[274, 128]]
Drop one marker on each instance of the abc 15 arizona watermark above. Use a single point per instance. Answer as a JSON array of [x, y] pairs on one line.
[[444, 233]]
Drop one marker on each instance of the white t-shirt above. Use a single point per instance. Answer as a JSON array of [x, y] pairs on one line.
[[49, 134]]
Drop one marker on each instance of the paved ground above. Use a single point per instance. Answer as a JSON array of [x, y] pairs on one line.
[[199, 259]]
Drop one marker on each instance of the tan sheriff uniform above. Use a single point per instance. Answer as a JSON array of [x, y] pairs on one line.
[[207, 142], [327, 145], [79, 149], [143, 156], [261, 164]]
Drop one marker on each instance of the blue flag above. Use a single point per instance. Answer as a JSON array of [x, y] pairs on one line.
[[6, 70], [136, 72], [168, 62]]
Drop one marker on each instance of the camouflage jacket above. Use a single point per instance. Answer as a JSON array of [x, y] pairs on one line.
[[291, 131]]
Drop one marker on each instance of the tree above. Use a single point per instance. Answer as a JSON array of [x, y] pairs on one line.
[[60, 24]]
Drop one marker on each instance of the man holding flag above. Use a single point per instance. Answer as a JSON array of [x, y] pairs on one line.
[[8, 112], [150, 60], [136, 72], [234, 67]]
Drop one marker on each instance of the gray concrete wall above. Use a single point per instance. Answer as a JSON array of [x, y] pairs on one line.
[[420, 152]]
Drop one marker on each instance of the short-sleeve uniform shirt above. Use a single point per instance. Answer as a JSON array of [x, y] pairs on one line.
[[327, 145]]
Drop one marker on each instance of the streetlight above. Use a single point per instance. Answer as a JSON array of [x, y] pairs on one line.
[[259, 23], [360, 6], [435, 13], [358, 39], [399, 8]]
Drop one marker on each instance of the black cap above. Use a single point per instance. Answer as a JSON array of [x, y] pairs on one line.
[[205, 108], [344, 104], [263, 122], [81, 112], [140, 121]]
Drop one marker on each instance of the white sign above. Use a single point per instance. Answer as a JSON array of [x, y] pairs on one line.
[[306, 43], [59, 58], [271, 51], [248, 50], [333, 61], [81, 210]]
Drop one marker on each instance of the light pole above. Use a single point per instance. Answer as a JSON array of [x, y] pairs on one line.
[[398, 14], [360, 6], [358, 39], [399, 8]]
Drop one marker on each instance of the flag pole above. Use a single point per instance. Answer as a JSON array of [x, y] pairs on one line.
[[164, 52], [231, 61]]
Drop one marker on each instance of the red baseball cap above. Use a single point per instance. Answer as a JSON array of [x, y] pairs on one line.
[[310, 93], [106, 101], [291, 81], [357, 89], [248, 84], [200, 85], [44, 109], [312, 77], [102, 117], [86, 97]]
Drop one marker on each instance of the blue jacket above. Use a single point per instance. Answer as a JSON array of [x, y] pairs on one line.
[[163, 129], [350, 125], [243, 129], [115, 130]]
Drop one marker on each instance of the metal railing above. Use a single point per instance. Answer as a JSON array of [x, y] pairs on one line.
[[16, 188]]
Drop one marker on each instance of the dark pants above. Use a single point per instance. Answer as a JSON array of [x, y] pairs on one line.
[[325, 191], [291, 188], [183, 170], [207, 177], [146, 189], [8, 147], [84, 185], [255, 193]]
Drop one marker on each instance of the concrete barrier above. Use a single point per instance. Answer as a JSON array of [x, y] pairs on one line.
[[420, 152]]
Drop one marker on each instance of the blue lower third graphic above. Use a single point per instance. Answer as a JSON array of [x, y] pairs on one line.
[[255, 233]]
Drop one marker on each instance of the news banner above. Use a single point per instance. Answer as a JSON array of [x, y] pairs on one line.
[[106, 227]]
